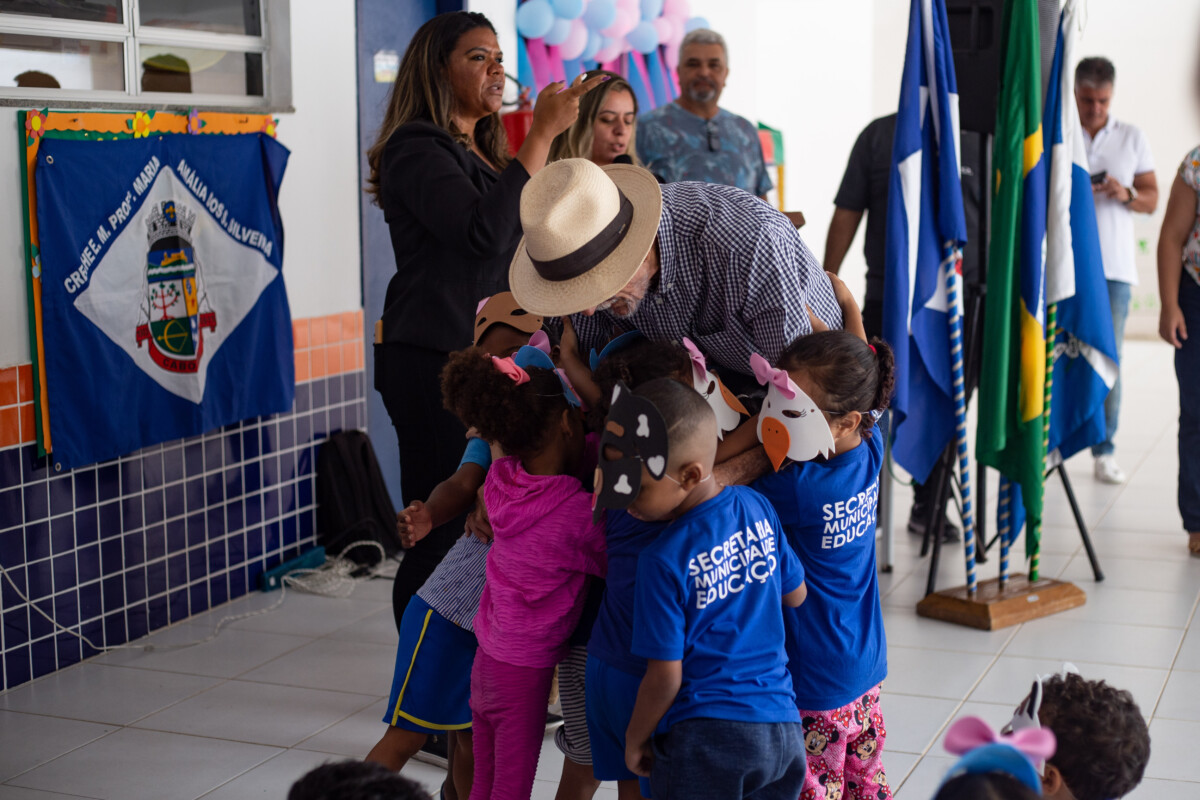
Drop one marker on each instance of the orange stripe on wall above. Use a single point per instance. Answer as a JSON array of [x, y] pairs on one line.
[[333, 344]]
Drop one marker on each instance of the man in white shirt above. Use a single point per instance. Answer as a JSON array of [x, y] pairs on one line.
[[1123, 182]]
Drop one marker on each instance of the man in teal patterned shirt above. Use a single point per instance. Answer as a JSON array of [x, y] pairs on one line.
[[692, 139]]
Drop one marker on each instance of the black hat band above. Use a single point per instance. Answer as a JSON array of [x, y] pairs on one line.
[[591, 252]]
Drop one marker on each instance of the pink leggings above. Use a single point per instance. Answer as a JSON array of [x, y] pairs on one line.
[[508, 720], [845, 752]]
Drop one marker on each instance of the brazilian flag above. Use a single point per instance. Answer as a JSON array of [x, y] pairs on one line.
[[1013, 376]]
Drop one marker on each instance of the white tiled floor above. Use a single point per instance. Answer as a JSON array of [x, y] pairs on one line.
[[272, 696]]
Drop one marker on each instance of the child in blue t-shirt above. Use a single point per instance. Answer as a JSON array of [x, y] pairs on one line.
[[835, 643], [715, 715], [613, 671]]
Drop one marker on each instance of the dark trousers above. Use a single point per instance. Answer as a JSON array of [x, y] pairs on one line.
[[716, 759], [432, 441], [1187, 371]]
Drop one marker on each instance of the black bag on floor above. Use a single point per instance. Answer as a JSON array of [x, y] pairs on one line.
[[353, 503]]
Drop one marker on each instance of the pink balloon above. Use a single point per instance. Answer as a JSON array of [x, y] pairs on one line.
[[679, 9], [665, 28], [671, 55], [633, 6], [625, 22], [573, 46], [609, 52]]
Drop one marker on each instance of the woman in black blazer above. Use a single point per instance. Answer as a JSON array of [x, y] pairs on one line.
[[450, 193]]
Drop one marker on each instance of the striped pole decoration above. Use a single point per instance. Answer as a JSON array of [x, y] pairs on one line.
[[1004, 525], [1051, 326], [952, 263]]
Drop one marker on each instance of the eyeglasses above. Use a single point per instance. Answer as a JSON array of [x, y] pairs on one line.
[[714, 141]]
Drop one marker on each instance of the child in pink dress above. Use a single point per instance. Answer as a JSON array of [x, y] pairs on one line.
[[545, 548]]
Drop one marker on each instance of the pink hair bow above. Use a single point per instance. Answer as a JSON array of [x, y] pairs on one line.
[[765, 374], [969, 733], [541, 341], [509, 368]]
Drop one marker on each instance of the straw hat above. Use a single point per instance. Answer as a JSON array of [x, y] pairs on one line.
[[587, 230]]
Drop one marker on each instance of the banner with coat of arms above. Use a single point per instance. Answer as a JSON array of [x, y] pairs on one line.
[[160, 310]]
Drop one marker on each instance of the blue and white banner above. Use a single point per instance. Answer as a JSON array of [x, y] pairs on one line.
[[1085, 366], [162, 292], [925, 224]]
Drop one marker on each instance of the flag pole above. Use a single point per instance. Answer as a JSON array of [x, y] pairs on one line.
[[952, 263], [1004, 523], [1051, 324]]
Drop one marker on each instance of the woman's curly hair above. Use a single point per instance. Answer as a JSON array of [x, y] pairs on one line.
[[514, 417]]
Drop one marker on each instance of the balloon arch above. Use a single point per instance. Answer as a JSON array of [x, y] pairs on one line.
[[636, 38]]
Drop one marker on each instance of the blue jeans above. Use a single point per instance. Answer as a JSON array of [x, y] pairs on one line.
[[717, 759], [1118, 300], [1187, 371]]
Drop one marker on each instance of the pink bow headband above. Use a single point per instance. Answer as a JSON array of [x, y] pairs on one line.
[[509, 368], [982, 751], [767, 375], [969, 733]]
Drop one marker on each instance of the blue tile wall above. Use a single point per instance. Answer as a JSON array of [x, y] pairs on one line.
[[121, 548]]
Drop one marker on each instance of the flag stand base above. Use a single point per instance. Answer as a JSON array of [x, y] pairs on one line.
[[992, 608]]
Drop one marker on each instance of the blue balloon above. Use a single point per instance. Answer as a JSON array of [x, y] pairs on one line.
[[652, 9], [694, 24], [558, 32], [592, 47], [643, 38], [534, 18], [567, 9], [600, 14]]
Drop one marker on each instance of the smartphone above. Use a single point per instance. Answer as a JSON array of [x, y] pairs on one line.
[[1100, 177]]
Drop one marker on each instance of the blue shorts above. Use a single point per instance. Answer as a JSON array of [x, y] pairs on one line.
[[611, 695], [431, 687]]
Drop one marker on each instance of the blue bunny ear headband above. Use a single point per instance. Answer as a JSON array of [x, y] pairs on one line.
[[614, 346], [528, 356]]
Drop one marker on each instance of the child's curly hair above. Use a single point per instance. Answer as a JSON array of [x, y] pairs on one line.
[[851, 375], [1103, 741], [642, 361], [514, 417]]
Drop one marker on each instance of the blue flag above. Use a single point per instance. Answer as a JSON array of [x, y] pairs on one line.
[[1085, 366], [163, 298], [925, 225]]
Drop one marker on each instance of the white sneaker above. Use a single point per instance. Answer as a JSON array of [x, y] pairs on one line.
[[1107, 470]]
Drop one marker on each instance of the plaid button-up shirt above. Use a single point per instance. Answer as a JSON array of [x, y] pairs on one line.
[[734, 277]]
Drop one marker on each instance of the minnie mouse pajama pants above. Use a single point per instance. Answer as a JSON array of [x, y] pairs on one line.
[[844, 748]]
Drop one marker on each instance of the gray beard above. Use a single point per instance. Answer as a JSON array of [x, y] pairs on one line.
[[705, 96]]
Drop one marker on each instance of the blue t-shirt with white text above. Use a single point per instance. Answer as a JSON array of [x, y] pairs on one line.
[[625, 537], [709, 593], [836, 645]]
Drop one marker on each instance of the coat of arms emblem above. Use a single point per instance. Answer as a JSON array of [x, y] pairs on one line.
[[175, 309]]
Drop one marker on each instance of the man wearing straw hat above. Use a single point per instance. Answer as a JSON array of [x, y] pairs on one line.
[[613, 250]]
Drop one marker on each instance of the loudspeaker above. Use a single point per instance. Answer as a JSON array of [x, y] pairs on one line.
[[976, 30]]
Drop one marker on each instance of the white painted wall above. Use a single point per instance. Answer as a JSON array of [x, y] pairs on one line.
[[319, 199], [1154, 48]]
